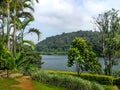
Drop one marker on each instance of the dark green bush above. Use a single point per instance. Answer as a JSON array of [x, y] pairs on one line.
[[116, 73], [67, 81], [116, 81], [102, 79]]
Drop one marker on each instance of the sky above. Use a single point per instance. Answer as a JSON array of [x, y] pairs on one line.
[[53, 17]]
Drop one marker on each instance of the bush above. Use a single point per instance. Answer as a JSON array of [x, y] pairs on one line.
[[116, 81], [116, 73], [67, 81], [102, 79]]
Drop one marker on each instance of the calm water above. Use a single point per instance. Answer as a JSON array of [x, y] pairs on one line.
[[53, 62]]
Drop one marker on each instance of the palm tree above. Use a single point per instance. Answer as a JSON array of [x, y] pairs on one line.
[[15, 11], [8, 23], [19, 6]]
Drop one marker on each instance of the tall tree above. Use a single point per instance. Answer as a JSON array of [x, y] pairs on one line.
[[83, 57], [109, 25], [8, 24]]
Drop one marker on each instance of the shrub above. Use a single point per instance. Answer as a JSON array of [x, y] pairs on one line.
[[116, 81], [116, 73], [67, 81], [102, 79]]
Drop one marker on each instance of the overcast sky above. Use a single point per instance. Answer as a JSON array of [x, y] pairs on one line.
[[54, 17]]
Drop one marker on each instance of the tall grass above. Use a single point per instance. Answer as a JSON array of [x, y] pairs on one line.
[[67, 81]]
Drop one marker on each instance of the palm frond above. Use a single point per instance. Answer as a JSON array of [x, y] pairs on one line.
[[20, 60], [36, 31], [37, 1], [28, 6], [25, 15], [29, 43], [26, 22]]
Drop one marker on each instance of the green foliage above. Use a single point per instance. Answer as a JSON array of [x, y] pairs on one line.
[[109, 25], [102, 79], [27, 59], [6, 58], [32, 45], [116, 73], [15, 17], [61, 43], [69, 82], [36, 31], [117, 81], [83, 57], [6, 83], [109, 87], [42, 86]]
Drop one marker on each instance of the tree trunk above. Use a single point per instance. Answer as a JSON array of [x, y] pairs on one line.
[[78, 69], [8, 73], [8, 27], [14, 33], [3, 30]]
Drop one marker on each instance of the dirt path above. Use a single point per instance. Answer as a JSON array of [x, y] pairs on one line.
[[24, 82], [116, 88]]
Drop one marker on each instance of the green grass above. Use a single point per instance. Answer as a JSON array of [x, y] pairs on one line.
[[42, 86], [6, 83], [109, 87]]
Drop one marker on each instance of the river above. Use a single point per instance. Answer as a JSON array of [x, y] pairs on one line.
[[54, 62]]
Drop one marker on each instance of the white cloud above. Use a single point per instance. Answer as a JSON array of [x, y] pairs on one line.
[[57, 16]]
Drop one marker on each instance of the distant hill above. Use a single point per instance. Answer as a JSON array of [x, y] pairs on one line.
[[60, 44]]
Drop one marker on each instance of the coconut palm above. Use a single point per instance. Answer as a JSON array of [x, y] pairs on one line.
[[18, 7], [15, 15]]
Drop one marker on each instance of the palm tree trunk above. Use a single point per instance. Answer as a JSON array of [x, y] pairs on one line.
[[8, 25], [14, 33], [3, 29]]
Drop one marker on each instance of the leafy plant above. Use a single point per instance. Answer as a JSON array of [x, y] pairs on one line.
[[83, 57], [69, 82]]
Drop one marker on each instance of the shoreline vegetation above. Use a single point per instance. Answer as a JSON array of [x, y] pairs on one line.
[[60, 44], [52, 53], [71, 81]]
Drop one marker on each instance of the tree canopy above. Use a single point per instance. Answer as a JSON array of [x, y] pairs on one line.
[[83, 57], [15, 16], [60, 44], [109, 25]]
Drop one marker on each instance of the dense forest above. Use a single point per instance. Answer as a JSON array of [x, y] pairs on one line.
[[60, 44]]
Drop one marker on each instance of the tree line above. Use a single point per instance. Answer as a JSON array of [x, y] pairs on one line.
[[60, 44]]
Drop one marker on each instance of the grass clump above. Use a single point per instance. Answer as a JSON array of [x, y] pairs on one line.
[[66, 81]]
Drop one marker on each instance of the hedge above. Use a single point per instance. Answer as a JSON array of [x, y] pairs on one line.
[[66, 81], [102, 79], [117, 81]]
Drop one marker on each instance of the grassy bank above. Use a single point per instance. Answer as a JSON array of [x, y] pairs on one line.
[[5, 84]]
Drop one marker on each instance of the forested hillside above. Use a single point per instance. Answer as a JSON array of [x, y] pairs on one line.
[[60, 44]]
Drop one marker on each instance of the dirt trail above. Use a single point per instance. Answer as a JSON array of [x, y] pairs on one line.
[[24, 82], [116, 88]]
